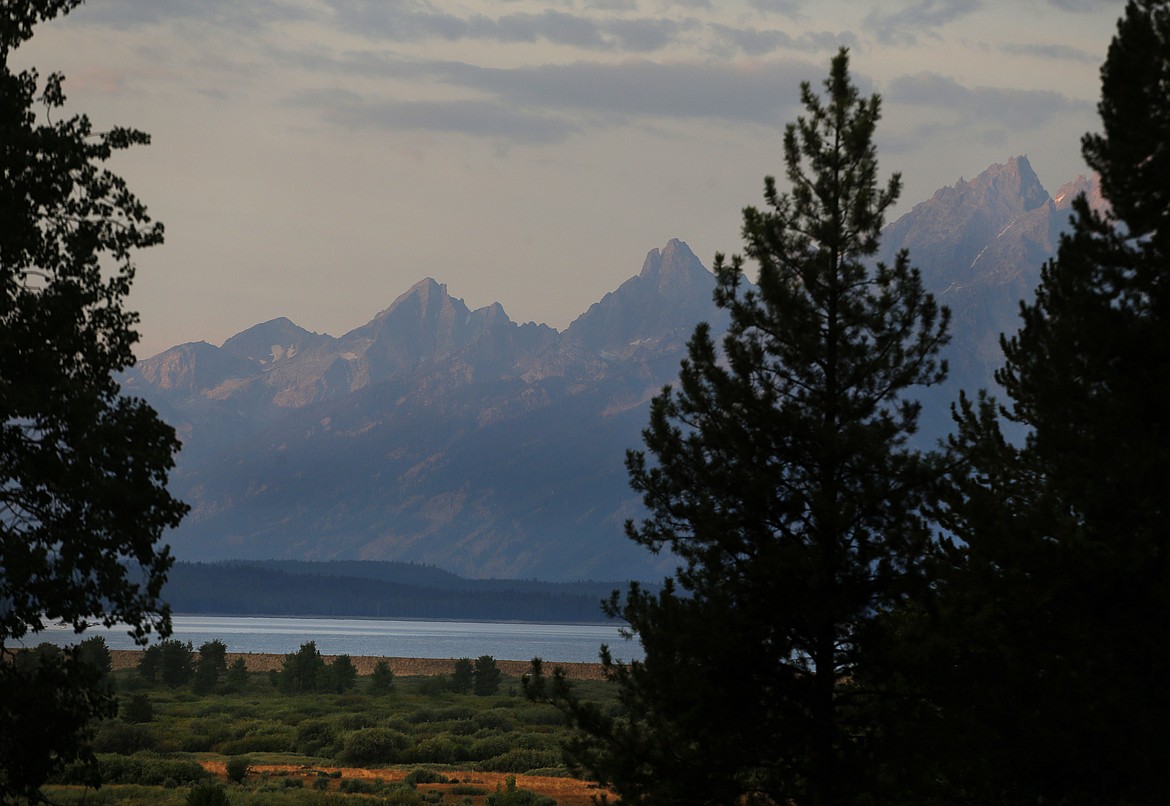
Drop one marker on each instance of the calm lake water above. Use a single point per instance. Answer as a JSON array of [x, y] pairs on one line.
[[387, 638]]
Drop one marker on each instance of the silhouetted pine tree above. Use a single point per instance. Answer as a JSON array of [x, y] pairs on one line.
[[782, 480], [1058, 604]]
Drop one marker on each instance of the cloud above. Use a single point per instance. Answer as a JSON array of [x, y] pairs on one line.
[[981, 106], [789, 8], [409, 22], [755, 42], [603, 26], [1084, 5], [922, 16], [224, 14], [478, 118], [405, 22], [1056, 52], [546, 104]]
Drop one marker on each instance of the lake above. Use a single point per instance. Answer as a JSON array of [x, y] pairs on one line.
[[566, 643]]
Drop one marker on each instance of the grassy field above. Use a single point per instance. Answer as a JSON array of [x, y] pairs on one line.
[[419, 743]]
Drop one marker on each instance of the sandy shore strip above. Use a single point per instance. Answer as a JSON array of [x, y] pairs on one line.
[[402, 667]]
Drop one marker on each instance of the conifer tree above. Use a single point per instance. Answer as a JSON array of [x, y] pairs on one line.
[[779, 473], [1057, 601]]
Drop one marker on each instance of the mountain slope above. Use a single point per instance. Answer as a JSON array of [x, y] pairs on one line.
[[456, 437]]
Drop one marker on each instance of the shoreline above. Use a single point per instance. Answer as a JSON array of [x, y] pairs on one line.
[[402, 667]]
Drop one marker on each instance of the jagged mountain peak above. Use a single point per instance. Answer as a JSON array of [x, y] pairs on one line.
[[671, 293], [191, 367], [1010, 186], [958, 222], [1088, 185], [443, 435], [426, 297], [275, 340], [673, 265]]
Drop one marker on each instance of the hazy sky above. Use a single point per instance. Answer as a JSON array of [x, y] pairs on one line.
[[314, 159]]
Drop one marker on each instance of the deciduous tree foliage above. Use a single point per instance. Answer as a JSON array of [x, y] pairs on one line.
[[779, 473], [83, 470], [1057, 602]]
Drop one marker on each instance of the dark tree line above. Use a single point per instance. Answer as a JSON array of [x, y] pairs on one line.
[[853, 621], [251, 589]]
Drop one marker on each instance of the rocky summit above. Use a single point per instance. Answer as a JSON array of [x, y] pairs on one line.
[[439, 434]]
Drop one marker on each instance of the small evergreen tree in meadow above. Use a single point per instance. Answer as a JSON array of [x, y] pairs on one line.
[[382, 679], [212, 660], [463, 678], [487, 676], [339, 676], [207, 794], [170, 662], [300, 671], [236, 677], [94, 652]]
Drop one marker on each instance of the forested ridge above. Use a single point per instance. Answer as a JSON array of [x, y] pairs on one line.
[[374, 589]]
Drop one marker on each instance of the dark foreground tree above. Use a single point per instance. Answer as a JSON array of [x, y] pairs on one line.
[[1057, 607], [782, 480], [83, 470]]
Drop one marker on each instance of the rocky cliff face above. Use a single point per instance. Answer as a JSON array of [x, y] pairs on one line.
[[980, 245], [432, 433], [439, 434]]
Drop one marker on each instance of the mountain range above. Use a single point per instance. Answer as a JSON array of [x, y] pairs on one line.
[[455, 437]]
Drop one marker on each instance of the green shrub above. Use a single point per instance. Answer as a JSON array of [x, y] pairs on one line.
[[257, 743], [315, 736], [441, 749], [467, 789], [482, 749], [237, 768], [492, 720], [360, 786], [374, 746], [123, 738], [434, 686], [207, 795], [421, 775], [403, 796], [520, 759], [450, 714], [147, 771], [195, 743], [355, 721], [511, 795], [138, 709]]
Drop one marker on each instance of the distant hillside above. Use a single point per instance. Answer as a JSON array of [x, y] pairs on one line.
[[454, 437], [375, 590]]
